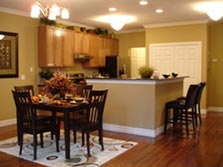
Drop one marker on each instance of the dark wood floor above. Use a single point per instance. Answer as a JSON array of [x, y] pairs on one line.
[[203, 148]]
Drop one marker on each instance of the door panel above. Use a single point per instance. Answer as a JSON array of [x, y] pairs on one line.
[[183, 58]]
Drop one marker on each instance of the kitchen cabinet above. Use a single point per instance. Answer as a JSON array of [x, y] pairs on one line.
[[100, 47], [81, 43], [55, 47]]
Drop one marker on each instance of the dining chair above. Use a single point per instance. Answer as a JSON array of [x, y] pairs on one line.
[[83, 90], [183, 110], [29, 124], [39, 117], [23, 88], [93, 118]]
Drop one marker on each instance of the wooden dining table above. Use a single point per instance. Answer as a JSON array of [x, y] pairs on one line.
[[66, 109]]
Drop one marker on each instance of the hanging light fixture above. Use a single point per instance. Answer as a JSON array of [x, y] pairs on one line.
[[116, 25], [1, 36], [213, 9], [215, 14], [50, 12]]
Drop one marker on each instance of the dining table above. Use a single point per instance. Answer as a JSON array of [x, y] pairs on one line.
[[65, 108]]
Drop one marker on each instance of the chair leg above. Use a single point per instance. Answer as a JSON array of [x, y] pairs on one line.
[[41, 140], [75, 136], [57, 139], [82, 135], [199, 112], [34, 146], [88, 144], [186, 122], [166, 120], [20, 142], [101, 138]]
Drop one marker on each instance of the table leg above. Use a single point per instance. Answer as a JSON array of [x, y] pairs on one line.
[[67, 134]]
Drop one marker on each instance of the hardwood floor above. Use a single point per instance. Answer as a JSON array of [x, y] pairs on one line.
[[204, 148]]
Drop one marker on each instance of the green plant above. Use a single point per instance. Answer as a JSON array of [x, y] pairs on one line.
[[145, 71], [46, 74]]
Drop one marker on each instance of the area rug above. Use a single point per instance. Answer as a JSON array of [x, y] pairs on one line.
[[49, 157]]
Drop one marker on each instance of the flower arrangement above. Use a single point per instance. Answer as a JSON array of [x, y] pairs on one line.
[[60, 84]]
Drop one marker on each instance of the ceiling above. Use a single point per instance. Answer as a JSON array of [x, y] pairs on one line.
[[85, 11]]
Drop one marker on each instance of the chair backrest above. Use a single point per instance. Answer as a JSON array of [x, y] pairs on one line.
[[26, 114], [84, 90], [95, 108], [200, 90], [25, 88], [191, 95]]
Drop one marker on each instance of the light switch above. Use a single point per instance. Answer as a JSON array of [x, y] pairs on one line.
[[23, 77], [31, 69]]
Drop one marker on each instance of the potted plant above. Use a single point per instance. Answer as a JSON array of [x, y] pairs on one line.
[[46, 74], [145, 71]]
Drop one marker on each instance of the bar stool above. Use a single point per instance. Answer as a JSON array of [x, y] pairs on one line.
[[183, 110]]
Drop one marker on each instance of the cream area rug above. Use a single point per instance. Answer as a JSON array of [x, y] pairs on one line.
[[49, 157]]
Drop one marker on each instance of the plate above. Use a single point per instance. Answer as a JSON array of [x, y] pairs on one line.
[[78, 99]]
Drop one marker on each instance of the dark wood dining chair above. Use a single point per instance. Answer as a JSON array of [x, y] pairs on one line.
[[39, 117], [183, 110], [93, 118], [29, 124], [83, 90], [23, 88]]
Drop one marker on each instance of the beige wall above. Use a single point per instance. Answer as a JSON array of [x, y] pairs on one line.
[[27, 32], [215, 68], [127, 41], [185, 33]]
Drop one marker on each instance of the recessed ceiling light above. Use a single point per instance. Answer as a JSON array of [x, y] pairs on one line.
[[159, 10], [143, 3], [112, 9]]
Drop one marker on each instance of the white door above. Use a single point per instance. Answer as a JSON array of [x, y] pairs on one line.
[[182, 58], [137, 58]]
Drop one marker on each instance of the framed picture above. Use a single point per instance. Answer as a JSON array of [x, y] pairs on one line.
[[8, 55]]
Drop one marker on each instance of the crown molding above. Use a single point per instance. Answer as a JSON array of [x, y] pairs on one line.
[[13, 11], [130, 31], [204, 21]]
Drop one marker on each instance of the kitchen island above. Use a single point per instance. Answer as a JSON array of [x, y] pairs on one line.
[[136, 106]]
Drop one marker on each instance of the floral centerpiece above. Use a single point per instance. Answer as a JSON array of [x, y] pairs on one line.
[[60, 84]]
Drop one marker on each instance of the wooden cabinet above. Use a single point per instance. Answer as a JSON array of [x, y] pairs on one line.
[[55, 47], [100, 47], [81, 43]]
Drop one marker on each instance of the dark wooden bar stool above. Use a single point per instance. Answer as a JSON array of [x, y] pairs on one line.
[[183, 110]]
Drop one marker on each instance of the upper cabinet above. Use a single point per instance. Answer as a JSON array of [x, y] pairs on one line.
[[81, 43], [55, 47], [100, 47]]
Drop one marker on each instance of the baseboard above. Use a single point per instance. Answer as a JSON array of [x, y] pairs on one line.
[[215, 109], [7, 122], [133, 130]]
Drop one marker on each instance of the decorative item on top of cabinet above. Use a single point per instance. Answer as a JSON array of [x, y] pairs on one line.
[[55, 47]]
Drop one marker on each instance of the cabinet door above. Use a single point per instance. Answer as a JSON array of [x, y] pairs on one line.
[[102, 51], [45, 46], [85, 43], [68, 56], [115, 47], [77, 42], [81, 43], [58, 47]]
